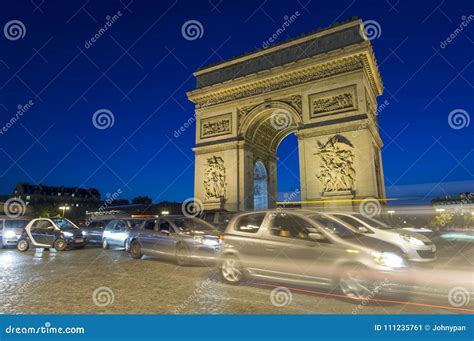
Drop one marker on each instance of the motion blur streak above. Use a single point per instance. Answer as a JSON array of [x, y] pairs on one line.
[[319, 293]]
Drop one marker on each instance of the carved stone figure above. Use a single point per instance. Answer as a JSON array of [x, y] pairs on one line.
[[216, 127], [215, 178], [336, 171]]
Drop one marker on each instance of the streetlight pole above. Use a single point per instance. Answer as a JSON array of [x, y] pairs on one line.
[[64, 208]]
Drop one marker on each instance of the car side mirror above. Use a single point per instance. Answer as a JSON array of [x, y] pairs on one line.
[[363, 229], [51, 227], [316, 236], [165, 232]]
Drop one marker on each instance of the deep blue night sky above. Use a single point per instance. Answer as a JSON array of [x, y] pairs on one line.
[[141, 69]]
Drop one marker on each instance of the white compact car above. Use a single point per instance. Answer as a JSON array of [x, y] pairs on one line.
[[415, 246]]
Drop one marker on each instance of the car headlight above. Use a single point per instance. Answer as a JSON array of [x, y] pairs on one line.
[[67, 234], [389, 259], [411, 240], [9, 234], [84, 233]]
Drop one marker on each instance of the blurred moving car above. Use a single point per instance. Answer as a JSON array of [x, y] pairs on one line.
[[116, 232], [183, 238], [45, 233], [218, 218], [11, 230], [94, 230], [307, 248], [415, 246]]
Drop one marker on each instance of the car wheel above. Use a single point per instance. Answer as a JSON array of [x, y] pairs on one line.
[[136, 250], [105, 244], [182, 254], [23, 245], [355, 284], [232, 271], [60, 244]]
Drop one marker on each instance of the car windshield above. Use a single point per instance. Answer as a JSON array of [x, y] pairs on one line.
[[135, 224], [333, 227], [64, 224], [355, 224], [192, 224], [374, 223]]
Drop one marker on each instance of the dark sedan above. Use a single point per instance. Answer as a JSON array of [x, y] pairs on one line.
[[183, 238], [94, 230]]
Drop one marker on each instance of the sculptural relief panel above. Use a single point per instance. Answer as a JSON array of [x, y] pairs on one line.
[[216, 126], [336, 170], [333, 101], [215, 184]]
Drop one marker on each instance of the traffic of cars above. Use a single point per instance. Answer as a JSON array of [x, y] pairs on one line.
[[342, 251]]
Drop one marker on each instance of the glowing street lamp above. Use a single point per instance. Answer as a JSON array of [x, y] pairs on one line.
[[165, 212], [440, 210], [391, 212], [64, 209]]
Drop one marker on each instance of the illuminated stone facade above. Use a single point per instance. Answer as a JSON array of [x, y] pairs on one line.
[[322, 87]]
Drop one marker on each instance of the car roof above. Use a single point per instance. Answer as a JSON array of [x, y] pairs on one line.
[[179, 216]]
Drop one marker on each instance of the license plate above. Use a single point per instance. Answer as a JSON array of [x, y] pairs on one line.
[[80, 240]]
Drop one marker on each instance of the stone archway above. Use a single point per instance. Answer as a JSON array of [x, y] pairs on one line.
[[322, 87], [260, 186]]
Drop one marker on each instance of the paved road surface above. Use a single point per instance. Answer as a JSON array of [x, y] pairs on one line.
[[93, 280]]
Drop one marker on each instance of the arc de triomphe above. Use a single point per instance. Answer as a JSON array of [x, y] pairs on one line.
[[323, 87]]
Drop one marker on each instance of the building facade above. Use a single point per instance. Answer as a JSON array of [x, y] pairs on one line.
[[323, 87]]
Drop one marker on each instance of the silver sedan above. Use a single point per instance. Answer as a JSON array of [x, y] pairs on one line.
[[415, 246]]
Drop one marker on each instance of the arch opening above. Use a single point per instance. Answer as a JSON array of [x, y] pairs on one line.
[[288, 171], [260, 186]]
